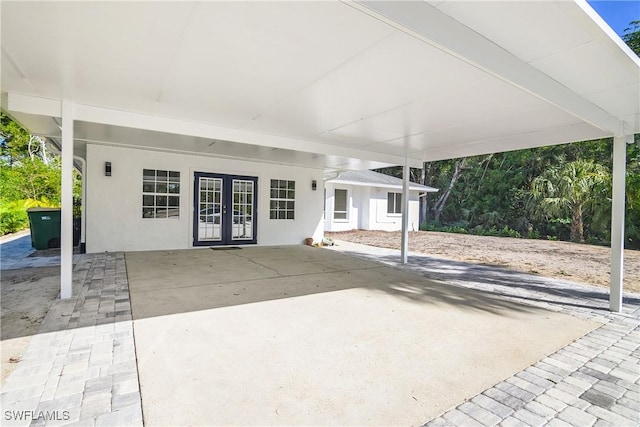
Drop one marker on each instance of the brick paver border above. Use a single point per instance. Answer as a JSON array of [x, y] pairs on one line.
[[80, 368]]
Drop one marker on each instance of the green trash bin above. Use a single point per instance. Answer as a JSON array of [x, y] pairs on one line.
[[45, 227]]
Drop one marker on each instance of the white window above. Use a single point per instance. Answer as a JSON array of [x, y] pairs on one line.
[[282, 203], [394, 203], [160, 194], [340, 204]]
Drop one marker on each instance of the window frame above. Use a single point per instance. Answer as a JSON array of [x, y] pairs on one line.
[[165, 187], [395, 208], [346, 205], [282, 199]]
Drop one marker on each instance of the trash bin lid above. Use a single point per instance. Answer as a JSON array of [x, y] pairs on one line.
[[43, 210]]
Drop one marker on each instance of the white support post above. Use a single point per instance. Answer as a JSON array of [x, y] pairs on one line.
[[66, 233], [617, 223], [404, 248]]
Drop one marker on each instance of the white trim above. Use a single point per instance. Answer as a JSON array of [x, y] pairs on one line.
[[347, 206], [376, 185], [394, 214], [34, 105], [597, 19]]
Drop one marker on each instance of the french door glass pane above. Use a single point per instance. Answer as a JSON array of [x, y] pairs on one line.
[[242, 216], [210, 209]]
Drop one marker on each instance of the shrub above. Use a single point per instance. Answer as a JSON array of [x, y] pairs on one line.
[[533, 234], [12, 218], [444, 228], [13, 215], [509, 232], [478, 230]]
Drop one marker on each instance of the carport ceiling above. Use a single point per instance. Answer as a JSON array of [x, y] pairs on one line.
[[426, 80]]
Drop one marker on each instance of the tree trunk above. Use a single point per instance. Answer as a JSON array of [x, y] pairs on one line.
[[486, 161], [457, 172], [577, 225]]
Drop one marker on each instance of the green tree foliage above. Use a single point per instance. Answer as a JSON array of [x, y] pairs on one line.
[[14, 140], [573, 189], [632, 36], [31, 179], [27, 179], [494, 194]]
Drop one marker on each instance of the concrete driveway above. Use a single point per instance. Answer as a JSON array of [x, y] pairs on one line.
[[307, 336]]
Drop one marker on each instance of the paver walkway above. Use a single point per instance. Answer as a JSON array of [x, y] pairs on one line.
[[593, 381], [81, 367], [15, 253]]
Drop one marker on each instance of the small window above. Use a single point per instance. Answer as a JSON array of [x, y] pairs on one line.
[[394, 203], [340, 204], [160, 194], [282, 202]]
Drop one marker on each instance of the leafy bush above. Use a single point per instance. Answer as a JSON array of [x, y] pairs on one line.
[[533, 234], [478, 230], [509, 232], [13, 215], [12, 218], [595, 240], [445, 229]]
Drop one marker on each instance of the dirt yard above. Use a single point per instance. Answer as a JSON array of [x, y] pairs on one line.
[[563, 260], [27, 294]]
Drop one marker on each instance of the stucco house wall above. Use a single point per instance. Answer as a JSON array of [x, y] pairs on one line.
[[367, 209], [114, 203], [381, 220]]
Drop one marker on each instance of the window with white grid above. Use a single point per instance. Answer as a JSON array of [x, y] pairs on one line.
[[160, 194], [282, 202]]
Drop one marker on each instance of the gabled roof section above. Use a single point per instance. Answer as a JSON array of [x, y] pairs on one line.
[[376, 179]]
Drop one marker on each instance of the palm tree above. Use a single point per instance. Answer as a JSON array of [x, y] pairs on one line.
[[571, 189]]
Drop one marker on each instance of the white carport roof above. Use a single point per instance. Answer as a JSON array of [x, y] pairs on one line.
[[328, 84], [342, 85]]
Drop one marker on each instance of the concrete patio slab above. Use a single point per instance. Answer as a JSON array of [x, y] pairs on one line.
[[594, 379], [299, 335]]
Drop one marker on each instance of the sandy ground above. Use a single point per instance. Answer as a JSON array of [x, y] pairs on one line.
[[27, 294], [569, 261]]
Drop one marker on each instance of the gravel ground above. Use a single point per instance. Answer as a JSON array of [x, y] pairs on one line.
[[569, 261]]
